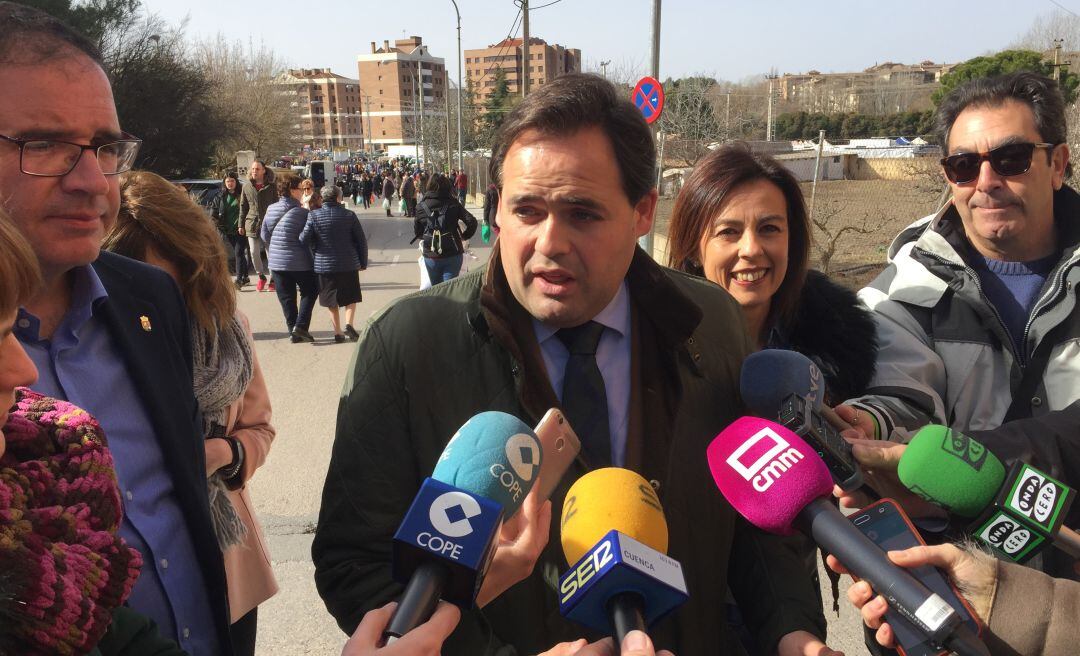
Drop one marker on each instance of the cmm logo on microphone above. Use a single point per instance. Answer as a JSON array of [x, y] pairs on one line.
[[450, 514], [764, 470]]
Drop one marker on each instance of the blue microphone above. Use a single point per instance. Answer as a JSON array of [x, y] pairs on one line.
[[445, 543]]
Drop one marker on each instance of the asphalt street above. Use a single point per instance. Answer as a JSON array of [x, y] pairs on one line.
[[304, 381]]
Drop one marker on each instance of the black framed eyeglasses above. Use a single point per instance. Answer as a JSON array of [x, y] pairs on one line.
[[1007, 160], [53, 158]]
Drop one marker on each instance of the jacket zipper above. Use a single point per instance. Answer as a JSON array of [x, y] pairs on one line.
[[1040, 305], [1021, 359]]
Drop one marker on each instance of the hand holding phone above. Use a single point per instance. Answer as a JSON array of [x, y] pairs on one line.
[[888, 527], [561, 446]]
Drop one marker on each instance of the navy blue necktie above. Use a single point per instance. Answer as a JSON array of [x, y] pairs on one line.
[[584, 399]]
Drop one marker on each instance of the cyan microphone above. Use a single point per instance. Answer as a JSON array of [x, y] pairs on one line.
[[777, 482], [446, 541], [1017, 512], [614, 536]]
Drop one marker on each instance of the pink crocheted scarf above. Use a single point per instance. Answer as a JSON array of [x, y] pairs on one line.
[[59, 514]]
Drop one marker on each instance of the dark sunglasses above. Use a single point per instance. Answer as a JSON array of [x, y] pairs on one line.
[[1007, 160]]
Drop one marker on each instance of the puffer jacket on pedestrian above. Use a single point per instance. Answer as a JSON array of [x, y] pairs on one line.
[[338, 240], [281, 232]]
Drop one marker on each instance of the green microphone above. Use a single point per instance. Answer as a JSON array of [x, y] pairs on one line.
[[1017, 512]]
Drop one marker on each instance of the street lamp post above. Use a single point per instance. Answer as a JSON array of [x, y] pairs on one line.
[[459, 158]]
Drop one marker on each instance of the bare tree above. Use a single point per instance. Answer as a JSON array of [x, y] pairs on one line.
[[830, 229], [257, 111], [1057, 24], [689, 119]]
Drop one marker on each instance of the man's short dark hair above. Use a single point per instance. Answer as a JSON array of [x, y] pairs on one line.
[[577, 101], [1038, 92], [30, 36]]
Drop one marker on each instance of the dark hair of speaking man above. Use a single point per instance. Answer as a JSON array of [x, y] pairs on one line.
[[107, 333], [977, 312], [574, 163]]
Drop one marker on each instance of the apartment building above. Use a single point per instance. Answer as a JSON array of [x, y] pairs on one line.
[[881, 89], [545, 63], [391, 79], [328, 109]]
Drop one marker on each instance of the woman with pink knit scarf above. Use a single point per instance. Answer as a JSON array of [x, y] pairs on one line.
[[64, 571]]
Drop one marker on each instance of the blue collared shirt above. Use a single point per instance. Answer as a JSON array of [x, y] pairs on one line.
[[613, 359], [82, 364]]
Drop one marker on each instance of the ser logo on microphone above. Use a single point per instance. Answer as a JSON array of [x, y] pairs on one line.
[[778, 457]]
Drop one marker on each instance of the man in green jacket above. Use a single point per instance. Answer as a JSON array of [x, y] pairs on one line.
[[574, 163], [258, 194]]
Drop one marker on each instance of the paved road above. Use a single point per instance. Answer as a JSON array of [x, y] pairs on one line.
[[304, 382]]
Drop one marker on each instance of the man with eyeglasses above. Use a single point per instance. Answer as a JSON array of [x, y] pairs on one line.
[[978, 323], [107, 333]]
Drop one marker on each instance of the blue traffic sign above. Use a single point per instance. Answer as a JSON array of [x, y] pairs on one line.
[[648, 96]]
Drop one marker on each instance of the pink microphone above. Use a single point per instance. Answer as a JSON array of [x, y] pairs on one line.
[[779, 484]]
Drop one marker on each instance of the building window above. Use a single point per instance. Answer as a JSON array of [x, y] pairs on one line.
[[540, 69]]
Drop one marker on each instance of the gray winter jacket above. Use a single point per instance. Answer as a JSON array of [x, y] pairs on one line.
[[945, 356]]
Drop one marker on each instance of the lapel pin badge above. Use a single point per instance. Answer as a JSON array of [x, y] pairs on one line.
[[145, 321]]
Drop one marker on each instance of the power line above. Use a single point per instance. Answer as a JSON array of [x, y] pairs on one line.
[[511, 35], [1060, 6]]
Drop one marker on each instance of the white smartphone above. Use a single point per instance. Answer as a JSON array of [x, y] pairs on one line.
[[561, 446]]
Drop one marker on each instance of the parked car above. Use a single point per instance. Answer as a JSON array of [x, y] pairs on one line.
[[202, 191]]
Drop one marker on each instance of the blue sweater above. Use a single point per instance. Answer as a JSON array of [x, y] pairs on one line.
[[337, 238], [281, 231], [1012, 288]]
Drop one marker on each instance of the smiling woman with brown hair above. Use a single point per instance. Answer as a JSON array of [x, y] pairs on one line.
[[160, 225]]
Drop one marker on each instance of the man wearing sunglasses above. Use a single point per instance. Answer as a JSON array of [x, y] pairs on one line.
[[977, 317], [107, 333]]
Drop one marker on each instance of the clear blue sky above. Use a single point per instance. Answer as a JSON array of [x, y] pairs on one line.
[[729, 40]]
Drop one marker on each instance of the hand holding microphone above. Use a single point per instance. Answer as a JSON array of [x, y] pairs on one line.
[[425, 640], [449, 537], [636, 643], [774, 480]]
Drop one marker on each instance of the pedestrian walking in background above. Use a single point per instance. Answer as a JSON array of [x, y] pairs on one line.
[[365, 190], [160, 225], [491, 208], [438, 224], [408, 194], [258, 194], [291, 261], [387, 193], [461, 183], [335, 236], [225, 211], [309, 200]]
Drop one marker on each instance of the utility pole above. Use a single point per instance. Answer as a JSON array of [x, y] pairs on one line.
[[1058, 64], [646, 240], [449, 157], [420, 85], [727, 117], [603, 67], [371, 135], [460, 163], [525, 48], [817, 170], [769, 118]]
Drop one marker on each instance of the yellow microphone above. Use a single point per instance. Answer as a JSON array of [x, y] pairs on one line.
[[614, 537]]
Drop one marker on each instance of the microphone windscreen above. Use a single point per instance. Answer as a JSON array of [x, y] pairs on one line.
[[951, 470], [606, 499], [771, 375], [767, 473], [494, 455]]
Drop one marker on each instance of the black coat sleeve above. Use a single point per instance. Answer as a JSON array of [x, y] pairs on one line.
[[1050, 443]]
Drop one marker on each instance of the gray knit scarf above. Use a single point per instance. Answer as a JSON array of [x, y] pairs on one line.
[[224, 366]]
